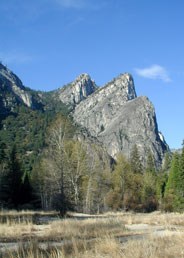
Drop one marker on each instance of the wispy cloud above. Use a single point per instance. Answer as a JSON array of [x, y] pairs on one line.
[[154, 72]]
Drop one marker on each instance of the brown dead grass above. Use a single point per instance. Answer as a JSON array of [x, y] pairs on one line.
[[154, 218], [88, 228], [99, 237], [65, 229], [167, 246]]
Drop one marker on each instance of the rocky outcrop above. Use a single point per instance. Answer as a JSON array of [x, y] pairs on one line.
[[119, 119], [12, 91], [11, 82], [73, 93]]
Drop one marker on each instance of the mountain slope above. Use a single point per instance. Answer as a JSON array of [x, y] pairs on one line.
[[112, 115]]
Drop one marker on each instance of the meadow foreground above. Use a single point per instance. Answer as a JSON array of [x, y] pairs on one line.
[[109, 235]]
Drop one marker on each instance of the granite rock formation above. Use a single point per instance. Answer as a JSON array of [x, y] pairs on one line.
[[119, 119], [73, 93]]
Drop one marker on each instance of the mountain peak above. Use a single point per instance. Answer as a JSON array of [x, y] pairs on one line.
[[78, 90], [83, 76], [124, 83]]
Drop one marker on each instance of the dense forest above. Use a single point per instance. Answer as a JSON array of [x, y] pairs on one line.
[[46, 164]]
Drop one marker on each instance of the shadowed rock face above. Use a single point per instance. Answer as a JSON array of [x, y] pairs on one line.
[[119, 119]]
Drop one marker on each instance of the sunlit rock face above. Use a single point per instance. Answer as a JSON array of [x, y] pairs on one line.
[[75, 92], [119, 119], [9, 82]]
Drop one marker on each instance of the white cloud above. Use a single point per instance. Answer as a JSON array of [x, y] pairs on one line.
[[154, 72]]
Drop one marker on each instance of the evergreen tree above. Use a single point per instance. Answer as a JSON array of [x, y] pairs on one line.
[[167, 162], [181, 177], [150, 165], [12, 181], [149, 199], [172, 197], [135, 161], [161, 181], [26, 191]]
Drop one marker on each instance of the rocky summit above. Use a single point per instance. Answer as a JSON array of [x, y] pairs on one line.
[[77, 91]]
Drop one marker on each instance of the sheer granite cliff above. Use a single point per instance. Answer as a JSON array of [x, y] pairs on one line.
[[119, 119]]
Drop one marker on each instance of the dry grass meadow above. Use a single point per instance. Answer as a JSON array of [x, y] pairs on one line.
[[111, 235]]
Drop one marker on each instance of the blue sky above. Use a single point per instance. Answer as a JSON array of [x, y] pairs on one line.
[[47, 43]]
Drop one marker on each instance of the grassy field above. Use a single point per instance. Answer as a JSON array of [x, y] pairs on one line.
[[109, 235]]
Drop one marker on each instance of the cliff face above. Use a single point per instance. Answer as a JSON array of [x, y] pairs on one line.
[[98, 110], [12, 92], [119, 119]]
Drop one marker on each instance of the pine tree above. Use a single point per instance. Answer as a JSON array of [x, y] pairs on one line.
[[171, 197], [150, 166], [149, 199], [180, 183], [181, 174], [167, 162], [135, 161], [12, 181]]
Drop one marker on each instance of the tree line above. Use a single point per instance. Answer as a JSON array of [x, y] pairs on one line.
[[73, 174]]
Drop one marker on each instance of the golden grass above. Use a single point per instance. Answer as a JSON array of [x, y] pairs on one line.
[[154, 247], [88, 228], [154, 218], [98, 237], [26, 213], [15, 231], [109, 247], [64, 229]]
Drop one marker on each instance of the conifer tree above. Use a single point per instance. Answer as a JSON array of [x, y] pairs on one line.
[[12, 181], [171, 197], [150, 165], [135, 161], [181, 176]]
